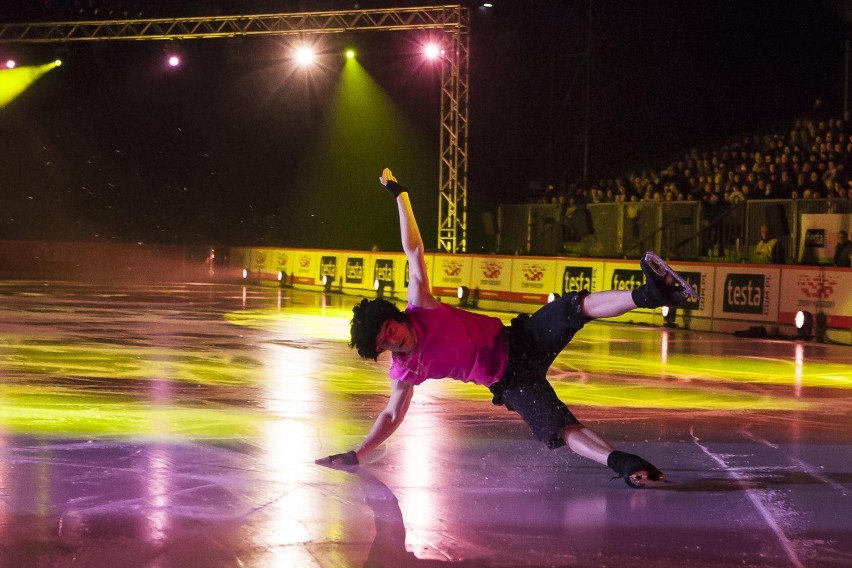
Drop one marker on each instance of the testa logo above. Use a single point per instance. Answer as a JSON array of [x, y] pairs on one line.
[[576, 279], [744, 293]]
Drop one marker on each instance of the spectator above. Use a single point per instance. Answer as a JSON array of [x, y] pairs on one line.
[[786, 186], [767, 250], [843, 250]]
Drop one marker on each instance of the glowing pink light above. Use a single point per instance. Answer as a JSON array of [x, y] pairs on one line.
[[174, 61], [432, 51], [10, 64]]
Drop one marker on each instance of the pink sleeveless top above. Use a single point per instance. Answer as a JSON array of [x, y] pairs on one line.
[[453, 343]]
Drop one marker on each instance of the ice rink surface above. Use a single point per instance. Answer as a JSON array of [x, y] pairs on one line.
[[177, 425]]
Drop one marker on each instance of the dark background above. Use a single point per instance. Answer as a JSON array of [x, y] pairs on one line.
[[113, 146]]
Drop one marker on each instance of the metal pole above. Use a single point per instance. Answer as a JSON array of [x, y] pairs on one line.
[[588, 94], [846, 83]]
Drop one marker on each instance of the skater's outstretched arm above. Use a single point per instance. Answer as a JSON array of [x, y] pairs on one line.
[[419, 292], [386, 424]]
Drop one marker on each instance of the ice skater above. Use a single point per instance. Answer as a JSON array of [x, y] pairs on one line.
[[431, 340]]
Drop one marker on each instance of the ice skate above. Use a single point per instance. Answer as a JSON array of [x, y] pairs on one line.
[[637, 473], [644, 478], [663, 286]]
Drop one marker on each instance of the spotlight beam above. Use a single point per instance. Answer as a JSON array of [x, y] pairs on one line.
[[452, 21], [16, 80]]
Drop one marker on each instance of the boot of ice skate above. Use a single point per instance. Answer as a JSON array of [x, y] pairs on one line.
[[637, 473], [663, 286]]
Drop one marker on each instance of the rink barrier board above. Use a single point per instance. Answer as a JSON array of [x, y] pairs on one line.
[[732, 295], [729, 294]]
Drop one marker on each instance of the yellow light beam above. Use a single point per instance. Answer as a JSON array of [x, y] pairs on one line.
[[15, 81]]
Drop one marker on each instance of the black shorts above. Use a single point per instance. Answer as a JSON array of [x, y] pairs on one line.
[[534, 342]]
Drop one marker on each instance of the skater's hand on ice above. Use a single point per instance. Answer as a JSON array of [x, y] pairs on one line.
[[337, 461]]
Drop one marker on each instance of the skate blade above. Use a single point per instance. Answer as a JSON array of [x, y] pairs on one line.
[[640, 479], [662, 269]]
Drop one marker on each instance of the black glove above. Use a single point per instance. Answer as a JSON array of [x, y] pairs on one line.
[[389, 181], [395, 189], [336, 460]]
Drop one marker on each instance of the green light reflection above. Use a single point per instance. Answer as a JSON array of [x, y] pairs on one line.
[[127, 362], [716, 369], [66, 412]]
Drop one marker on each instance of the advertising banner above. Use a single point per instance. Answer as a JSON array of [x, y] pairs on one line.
[[449, 272], [746, 293], [700, 277], [280, 260], [533, 279], [255, 260], [264, 263], [819, 236], [331, 265], [626, 275], [493, 276], [390, 270], [355, 271], [260, 261], [579, 275], [817, 290], [303, 264]]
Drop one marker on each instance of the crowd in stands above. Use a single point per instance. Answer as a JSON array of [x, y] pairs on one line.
[[810, 161]]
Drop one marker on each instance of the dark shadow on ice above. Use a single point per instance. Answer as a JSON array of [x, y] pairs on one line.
[[388, 548], [752, 481]]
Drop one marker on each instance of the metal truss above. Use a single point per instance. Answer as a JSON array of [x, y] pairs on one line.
[[452, 207], [454, 20]]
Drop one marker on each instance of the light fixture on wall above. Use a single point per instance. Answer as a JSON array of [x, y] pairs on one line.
[[380, 286], [669, 315], [804, 324]]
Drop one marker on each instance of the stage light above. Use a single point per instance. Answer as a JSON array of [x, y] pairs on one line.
[[350, 54], [57, 63], [432, 51], [305, 55], [174, 60], [381, 285], [463, 294], [669, 315], [468, 298], [17, 79], [552, 297], [804, 324]]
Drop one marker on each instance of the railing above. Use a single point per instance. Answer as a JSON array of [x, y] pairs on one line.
[[682, 230]]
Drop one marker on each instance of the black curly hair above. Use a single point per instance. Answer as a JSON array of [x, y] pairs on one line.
[[367, 319]]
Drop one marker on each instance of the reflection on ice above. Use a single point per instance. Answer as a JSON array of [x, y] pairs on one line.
[[177, 426]]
